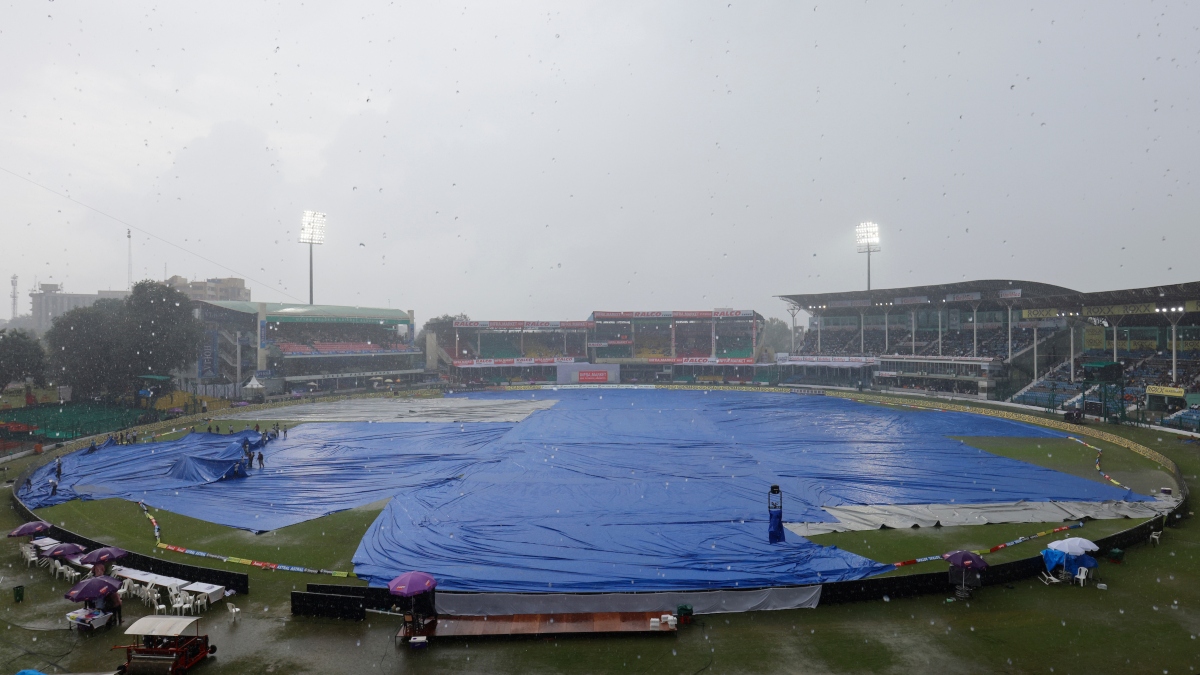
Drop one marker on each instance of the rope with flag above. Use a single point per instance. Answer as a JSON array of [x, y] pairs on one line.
[[995, 548]]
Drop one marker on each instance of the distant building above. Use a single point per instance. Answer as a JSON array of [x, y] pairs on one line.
[[50, 302], [209, 290]]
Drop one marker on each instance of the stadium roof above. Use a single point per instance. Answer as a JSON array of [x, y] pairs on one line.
[[282, 311], [1001, 293]]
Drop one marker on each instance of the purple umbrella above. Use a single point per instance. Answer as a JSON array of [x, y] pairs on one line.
[[411, 583], [103, 555], [93, 589], [965, 559], [64, 550], [30, 529]]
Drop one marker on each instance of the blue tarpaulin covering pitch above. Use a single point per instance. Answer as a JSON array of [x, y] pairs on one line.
[[608, 490]]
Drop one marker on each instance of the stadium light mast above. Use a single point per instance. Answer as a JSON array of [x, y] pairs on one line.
[[312, 231], [867, 237]]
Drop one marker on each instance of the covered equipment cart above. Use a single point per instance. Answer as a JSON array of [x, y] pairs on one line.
[[166, 645]]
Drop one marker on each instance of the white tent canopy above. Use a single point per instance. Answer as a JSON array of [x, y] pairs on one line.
[[253, 384]]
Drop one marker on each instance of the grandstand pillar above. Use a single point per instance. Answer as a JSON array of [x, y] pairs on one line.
[[1174, 346], [939, 332], [1072, 353], [1010, 332], [1035, 372], [713, 340], [238, 344], [862, 340], [886, 321], [262, 337], [975, 329], [819, 332], [913, 338]]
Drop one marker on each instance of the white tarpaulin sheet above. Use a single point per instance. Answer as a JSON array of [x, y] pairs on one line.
[[409, 410], [702, 602], [897, 516]]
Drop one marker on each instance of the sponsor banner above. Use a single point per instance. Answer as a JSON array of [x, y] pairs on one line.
[[509, 325], [703, 314], [660, 359], [828, 359], [912, 300], [1044, 313], [1156, 390], [1192, 305], [593, 376], [337, 376], [264, 374], [837, 304], [960, 297], [262, 334], [1120, 310], [207, 364], [506, 325], [1044, 323], [886, 373], [711, 361], [1010, 293], [484, 363]]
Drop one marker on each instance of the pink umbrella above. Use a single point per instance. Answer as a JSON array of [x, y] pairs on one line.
[[965, 559], [64, 550], [411, 583], [105, 554], [93, 589], [30, 529]]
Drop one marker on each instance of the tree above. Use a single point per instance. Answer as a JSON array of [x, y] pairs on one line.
[[443, 327], [21, 357], [85, 350], [106, 348], [160, 333], [777, 335]]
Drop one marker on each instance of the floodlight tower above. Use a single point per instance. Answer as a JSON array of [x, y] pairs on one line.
[[867, 236], [129, 260], [14, 296], [312, 231]]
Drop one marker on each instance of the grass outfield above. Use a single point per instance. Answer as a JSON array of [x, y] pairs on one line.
[[1145, 623]]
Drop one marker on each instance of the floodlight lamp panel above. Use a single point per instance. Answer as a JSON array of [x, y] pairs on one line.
[[867, 237], [312, 228]]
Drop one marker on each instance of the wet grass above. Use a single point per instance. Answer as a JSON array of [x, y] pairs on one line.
[[1146, 622]]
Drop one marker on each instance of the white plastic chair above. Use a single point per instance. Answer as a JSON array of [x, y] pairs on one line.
[[1049, 579], [1081, 576], [1154, 537], [30, 557], [57, 568], [200, 602], [233, 610], [182, 603]]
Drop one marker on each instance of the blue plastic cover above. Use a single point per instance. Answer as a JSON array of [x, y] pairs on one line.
[[654, 490], [607, 490], [1071, 563]]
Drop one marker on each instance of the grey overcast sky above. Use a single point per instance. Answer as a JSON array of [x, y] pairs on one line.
[[530, 160]]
